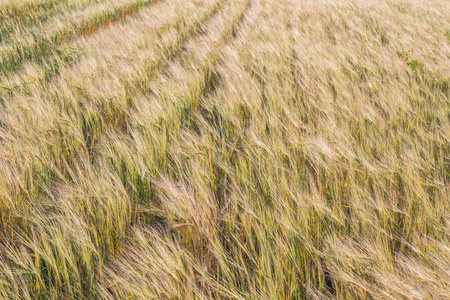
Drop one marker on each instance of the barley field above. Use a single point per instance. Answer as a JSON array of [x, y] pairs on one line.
[[224, 149]]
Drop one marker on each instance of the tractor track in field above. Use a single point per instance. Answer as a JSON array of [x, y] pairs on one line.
[[192, 67], [203, 49], [199, 51]]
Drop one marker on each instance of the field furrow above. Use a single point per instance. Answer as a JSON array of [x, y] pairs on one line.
[[167, 189], [175, 91]]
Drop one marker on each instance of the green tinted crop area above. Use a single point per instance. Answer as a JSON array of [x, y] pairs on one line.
[[224, 149]]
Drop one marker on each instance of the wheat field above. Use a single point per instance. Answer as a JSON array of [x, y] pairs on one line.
[[224, 149]]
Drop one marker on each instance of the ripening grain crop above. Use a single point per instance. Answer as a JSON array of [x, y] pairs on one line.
[[224, 149]]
